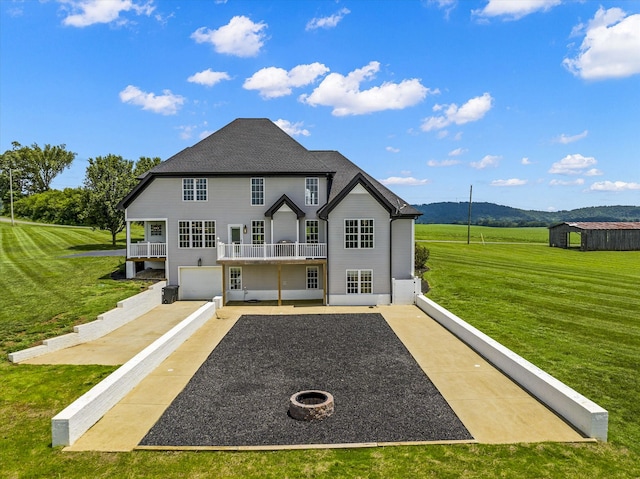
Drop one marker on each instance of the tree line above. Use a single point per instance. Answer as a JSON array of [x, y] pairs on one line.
[[26, 173]]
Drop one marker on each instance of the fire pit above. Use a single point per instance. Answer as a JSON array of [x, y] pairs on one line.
[[311, 405]]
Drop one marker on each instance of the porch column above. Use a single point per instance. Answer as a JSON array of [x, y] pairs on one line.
[[224, 286], [279, 285], [128, 239]]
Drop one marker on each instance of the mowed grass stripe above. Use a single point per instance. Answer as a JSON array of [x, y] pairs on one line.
[[46, 294]]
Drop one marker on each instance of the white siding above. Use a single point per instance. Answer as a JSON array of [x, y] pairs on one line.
[[228, 202], [402, 249], [359, 204]]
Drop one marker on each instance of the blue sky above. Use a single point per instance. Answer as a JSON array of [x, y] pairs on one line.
[[536, 103]]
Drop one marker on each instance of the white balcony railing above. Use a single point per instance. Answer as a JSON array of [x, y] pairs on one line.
[[147, 250], [272, 251]]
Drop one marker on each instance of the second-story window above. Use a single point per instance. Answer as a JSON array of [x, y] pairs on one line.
[[312, 234], [194, 189], [311, 191], [257, 232], [257, 191], [358, 233]]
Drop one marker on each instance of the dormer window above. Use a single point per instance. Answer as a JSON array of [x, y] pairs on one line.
[[194, 189]]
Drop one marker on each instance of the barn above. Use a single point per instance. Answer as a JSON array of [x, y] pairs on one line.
[[597, 236]]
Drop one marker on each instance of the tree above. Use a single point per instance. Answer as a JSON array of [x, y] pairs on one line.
[[144, 164], [37, 167], [107, 180]]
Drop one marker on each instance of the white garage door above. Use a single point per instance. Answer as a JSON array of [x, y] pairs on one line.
[[203, 282]]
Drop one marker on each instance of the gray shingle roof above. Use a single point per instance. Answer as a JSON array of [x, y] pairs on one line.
[[257, 146], [346, 171], [244, 146]]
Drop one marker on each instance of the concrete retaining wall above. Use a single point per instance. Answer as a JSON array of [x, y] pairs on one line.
[[582, 413], [77, 418], [126, 310]]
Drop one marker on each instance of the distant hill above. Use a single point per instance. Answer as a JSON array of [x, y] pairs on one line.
[[491, 214]]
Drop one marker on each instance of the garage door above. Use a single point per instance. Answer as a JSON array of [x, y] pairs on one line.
[[203, 282]]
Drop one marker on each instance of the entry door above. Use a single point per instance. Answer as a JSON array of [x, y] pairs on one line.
[[235, 238]]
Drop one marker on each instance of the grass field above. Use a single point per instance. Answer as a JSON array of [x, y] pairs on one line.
[[576, 315]]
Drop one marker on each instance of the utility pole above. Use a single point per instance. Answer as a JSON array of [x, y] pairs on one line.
[[469, 219], [11, 195]]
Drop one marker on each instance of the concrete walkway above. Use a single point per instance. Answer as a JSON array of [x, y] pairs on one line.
[[491, 406]]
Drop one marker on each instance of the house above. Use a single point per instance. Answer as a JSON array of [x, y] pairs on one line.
[[597, 236], [249, 214]]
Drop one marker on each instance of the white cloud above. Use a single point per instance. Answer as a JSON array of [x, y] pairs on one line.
[[435, 163], [327, 22], [509, 182], [614, 186], [593, 172], [391, 149], [84, 13], [292, 129], [573, 165], [514, 9], [458, 152], [610, 46], [525, 161], [565, 140], [166, 104], [403, 181], [273, 82], [578, 181], [472, 110], [343, 93], [486, 162], [208, 77], [240, 37]]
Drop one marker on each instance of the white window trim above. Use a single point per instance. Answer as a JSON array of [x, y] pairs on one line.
[[264, 191], [239, 268], [360, 271], [306, 226], [317, 277], [307, 198], [215, 226], [195, 190], [359, 233], [264, 231]]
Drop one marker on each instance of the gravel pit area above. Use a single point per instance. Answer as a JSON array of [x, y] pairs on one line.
[[240, 395]]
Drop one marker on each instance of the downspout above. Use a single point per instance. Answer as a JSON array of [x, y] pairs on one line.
[[391, 257], [326, 265]]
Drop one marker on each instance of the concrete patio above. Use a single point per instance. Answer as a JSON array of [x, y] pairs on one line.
[[492, 407]]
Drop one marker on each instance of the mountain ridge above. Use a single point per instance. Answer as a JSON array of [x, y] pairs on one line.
[[492, 214]]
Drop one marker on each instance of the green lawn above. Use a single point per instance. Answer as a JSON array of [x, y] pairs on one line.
[[576, 315]]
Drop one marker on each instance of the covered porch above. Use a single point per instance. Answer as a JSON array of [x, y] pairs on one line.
[[246, 280]]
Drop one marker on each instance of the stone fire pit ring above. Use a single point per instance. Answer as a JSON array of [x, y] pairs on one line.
[[311, 405]]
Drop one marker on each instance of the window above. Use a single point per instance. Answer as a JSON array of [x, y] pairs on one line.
[[359, 281], [358, 233], [311, 228], [257, 191], [194, 189], [311, 191], [201, 189], [313, 275], [235, 277], [197, 234], [209, 234], [257, 232]]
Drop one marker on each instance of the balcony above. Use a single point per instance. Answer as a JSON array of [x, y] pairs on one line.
[[146, 250], [272, 252]]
